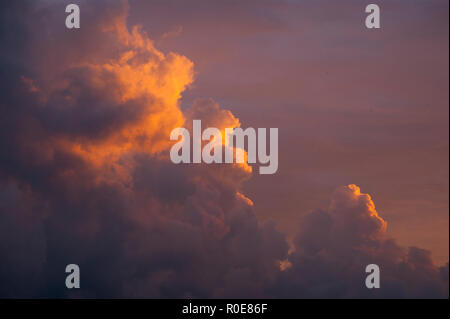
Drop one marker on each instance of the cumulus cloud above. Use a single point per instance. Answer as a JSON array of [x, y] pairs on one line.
[[85, 178], [333, 247]]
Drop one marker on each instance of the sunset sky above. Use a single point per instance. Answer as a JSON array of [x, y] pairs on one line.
[[363, 173]]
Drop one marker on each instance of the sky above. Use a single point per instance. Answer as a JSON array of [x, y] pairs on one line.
[[363, 173]]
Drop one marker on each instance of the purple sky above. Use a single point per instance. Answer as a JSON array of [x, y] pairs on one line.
[[353, 105]]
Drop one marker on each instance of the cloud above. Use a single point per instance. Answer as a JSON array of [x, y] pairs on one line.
[[333, 247], [85, 178]]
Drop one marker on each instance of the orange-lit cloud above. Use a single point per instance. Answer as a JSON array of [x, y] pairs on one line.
[[141, 73]]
